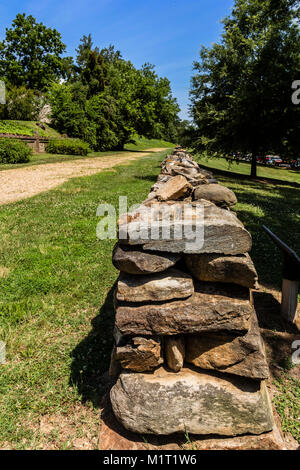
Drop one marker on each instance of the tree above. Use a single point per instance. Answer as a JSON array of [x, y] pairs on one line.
[[30, 54], [67, 102], [21, 104], [241, 92], [116, 100]]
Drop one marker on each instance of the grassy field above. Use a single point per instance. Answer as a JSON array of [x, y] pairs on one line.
[[245, 168], [56, 313], [40, 159], [26, 128]]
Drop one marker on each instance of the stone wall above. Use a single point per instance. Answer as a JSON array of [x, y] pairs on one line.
[[37, 143], [188, 353]]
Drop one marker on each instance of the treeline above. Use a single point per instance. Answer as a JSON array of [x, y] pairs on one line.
[[97, 96]]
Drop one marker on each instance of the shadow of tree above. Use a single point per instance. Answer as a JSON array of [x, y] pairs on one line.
[[268, 313], [91, 357], [275, 206], [151, 178], [248, 178]]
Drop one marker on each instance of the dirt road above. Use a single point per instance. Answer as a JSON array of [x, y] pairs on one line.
[[22, 183]]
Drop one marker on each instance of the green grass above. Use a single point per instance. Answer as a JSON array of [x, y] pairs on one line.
[[40, 159], [142, 144], [26, 128], [245, 169], [287, 402], [56, 306], [55, 276]]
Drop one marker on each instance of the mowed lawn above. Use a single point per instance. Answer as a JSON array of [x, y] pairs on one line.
[[141, 145], [243, 168], [56, 313]]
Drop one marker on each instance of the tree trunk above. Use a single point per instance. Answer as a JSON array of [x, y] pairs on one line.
[[253, 166]]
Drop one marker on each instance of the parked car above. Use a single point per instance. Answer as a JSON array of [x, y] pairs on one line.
[[273, 160]]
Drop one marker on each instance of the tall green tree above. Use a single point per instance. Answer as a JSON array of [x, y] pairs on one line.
[[241, 91], [21, 104], [120, 100], [30, 54]]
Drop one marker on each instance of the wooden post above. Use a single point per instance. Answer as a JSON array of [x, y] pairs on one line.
[[37, 142], [291, 277], [289, 300]]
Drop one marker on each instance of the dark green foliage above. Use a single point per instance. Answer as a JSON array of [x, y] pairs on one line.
[[21, 104], [14, 151], [108, 100], [105, 100], [30, 54], [241, 91], [68, 147]]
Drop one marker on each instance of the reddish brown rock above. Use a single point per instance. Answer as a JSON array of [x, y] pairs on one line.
[[171, 284], [212, 308], [175, 188], [242, 355], [237, 269], [140, 354]]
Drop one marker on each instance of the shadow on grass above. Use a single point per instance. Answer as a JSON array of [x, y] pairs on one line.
[[260, 179], [277, 207], [91, 357], [152, 178], [268, 313]]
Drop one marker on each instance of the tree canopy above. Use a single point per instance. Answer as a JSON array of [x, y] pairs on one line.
[[241, 91], [100, 97], [30, 54], [107, 100]]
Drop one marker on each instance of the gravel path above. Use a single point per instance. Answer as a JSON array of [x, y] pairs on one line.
[[21, 183]]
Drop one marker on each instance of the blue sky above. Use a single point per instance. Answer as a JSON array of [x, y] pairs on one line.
[[167, 33]]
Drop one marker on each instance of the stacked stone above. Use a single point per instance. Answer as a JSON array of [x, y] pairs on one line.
[[188, 351]]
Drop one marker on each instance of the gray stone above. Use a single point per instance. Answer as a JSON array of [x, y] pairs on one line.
[[216, 193], [164, 403], [205, 228], [133, 260], [212, 308], [174, 347], [140, 354], [237, 269], [171, 284], [242, 355]]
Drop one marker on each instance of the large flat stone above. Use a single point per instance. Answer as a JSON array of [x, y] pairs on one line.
[[140, 354], [198, 403], [171, 284], [205, 228], [243, 355], [113, 436], [212, 308], [238, 269], [134, 260]]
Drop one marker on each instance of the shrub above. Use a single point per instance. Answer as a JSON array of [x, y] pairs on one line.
[[14, 151], [68, 147]]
